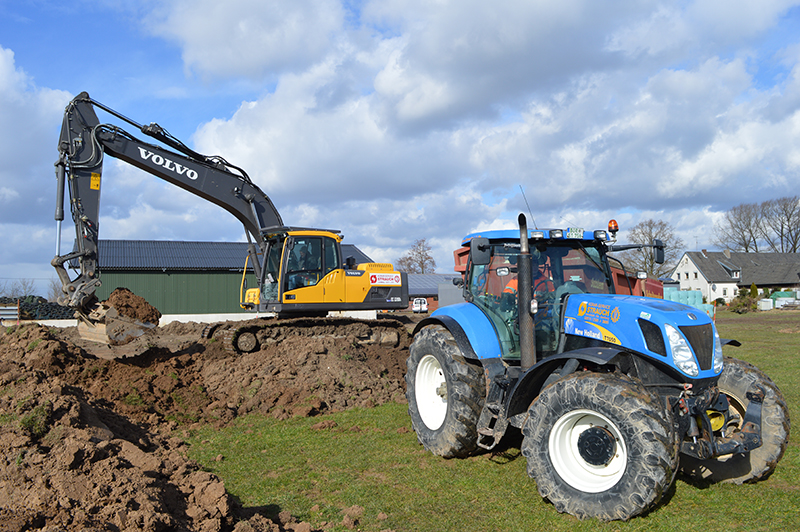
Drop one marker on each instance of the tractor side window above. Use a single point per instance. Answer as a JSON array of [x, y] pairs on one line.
[[494, 287]]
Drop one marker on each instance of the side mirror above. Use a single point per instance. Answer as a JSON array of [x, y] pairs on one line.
[[350, 263], [658, 251], [480, 251]]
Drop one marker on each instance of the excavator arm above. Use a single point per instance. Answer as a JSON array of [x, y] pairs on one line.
[[84, 142]]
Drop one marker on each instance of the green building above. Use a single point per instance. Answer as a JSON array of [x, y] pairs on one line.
[[182, 277]]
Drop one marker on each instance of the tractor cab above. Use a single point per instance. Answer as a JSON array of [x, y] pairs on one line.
[[562, 263]]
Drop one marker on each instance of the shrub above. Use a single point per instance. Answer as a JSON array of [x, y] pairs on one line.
[[742, 305]]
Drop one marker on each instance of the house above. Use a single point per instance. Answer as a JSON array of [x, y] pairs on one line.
[[721, 274], [182, 277]]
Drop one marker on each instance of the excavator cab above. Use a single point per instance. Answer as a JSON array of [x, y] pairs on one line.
[[305, 274]]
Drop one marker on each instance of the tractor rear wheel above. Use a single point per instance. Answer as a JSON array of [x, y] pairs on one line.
[[736, 380], [600, 446], [445, 394]]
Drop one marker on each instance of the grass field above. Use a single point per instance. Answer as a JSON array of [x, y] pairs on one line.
[[371, 458]]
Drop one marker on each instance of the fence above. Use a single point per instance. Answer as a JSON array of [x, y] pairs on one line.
[[9, 313]]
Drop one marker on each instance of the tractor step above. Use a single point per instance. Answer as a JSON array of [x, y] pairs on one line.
[[492, 423]]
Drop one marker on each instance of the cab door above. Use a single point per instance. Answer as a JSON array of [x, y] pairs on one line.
[[303, 270], [334, 280]]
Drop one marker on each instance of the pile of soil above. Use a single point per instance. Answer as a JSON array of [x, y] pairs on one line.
[[136, 307], [90, 444]]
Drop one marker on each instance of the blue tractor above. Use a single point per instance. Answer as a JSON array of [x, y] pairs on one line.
[[614, 394]]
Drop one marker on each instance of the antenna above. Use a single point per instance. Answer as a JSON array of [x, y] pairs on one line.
[[529, 207]]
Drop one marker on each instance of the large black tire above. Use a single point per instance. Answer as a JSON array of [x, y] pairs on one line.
[[600, 446], [445, 394], [736, 380]]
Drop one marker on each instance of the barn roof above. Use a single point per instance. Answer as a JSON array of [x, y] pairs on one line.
[[427, 284], [182, 255]]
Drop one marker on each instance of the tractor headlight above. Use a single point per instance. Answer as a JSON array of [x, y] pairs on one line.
[[682, 355], [717, 352]]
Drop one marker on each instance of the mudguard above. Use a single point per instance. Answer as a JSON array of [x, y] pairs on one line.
[[471, 329]]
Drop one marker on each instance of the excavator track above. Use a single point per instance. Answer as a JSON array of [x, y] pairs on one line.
[[250, 336]]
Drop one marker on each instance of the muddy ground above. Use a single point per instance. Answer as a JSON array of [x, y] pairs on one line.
[[88, 443]]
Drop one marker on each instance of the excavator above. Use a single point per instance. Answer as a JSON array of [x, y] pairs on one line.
[[299, 271]]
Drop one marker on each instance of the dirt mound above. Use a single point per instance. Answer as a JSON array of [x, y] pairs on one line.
[[88, 444], [135, 307]]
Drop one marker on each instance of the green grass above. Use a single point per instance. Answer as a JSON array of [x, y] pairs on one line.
[[372, 459]]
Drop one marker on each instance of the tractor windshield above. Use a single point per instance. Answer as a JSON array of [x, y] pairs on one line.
[[558, 270]]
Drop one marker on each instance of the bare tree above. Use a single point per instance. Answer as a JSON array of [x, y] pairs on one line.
[[54, 290], [19, 288], [773, 225], [781, 224], [644, 259], [740, 229], [418, 258]]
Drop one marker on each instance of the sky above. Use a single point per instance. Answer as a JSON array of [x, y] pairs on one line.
[[396, 120]]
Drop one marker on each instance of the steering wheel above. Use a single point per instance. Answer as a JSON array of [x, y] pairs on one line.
[[541, 285]]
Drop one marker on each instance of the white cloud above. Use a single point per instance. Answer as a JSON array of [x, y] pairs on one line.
[[249, 38]]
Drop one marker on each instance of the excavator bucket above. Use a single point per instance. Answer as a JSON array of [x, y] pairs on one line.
[[105, 325]]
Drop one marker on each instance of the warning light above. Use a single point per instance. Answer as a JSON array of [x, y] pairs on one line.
[[613, 227]]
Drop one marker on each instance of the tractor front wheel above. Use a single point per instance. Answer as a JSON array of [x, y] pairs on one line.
[[736, 380], [600, 446], [445, 394]]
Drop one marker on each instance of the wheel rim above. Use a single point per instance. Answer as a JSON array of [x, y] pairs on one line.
[[737, 408], [430, 390], [581, 437]]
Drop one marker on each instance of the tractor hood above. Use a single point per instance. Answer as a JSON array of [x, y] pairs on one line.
[[668, 332]]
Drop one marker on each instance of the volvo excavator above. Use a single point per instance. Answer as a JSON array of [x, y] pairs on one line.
[[300, 271]]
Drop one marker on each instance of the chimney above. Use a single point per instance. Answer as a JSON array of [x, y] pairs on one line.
[[705, 253], [727, 253]]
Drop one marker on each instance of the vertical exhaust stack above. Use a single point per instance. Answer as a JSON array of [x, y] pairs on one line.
[[527, 339]]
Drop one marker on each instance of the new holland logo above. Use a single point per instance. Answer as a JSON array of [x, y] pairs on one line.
[[168, 164]]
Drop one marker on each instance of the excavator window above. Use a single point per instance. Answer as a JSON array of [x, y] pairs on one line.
[[304, 262], [269, 289], [332, 259]]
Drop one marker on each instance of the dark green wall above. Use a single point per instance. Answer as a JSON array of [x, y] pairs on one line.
[[201, 292]]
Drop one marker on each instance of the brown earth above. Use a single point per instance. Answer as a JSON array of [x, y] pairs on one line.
[[91, 444], [136, 307]]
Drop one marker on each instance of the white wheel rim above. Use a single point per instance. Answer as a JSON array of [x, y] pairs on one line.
[[428, 387], [567, 459]]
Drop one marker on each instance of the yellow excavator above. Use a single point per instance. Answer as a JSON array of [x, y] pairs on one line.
[[300, 271]]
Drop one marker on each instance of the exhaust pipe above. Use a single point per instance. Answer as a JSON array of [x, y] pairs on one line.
[[527, 339]]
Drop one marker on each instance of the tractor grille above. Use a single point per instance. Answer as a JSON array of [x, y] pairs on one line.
[[653, 337], [701, 338]]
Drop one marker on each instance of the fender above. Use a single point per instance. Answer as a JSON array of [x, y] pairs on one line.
[[471, 329], [531, 382]]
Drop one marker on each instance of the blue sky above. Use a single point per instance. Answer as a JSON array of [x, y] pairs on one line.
[[406, 119]]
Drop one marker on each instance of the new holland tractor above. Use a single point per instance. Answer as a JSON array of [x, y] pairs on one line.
[[614, 394]]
